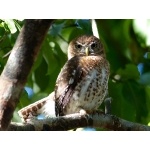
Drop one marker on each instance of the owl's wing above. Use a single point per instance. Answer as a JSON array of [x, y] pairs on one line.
[[66, 82]]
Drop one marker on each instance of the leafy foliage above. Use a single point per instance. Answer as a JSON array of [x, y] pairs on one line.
[[127, 51]]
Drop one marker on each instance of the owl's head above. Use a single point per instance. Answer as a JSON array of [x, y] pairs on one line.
[[85, 46]]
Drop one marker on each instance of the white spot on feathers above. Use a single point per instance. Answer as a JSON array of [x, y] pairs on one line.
[[71, 80]]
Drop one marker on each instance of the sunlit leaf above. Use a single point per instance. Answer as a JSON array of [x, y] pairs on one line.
[[142, 29], [17, 25], [11, 25]]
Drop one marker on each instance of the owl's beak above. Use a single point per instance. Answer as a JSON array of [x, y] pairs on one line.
[[87, 51]]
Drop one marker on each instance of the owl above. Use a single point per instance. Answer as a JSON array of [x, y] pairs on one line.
[[82, 83]]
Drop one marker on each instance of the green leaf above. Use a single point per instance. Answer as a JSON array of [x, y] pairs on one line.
[[120, 106], [135, 95], [40, 76], [130, 72], [49, 56], [129, 101], [85, 25], [11, 25], [2, 32], [38, 96], [147, 55], [17, 25], [145, 78], [56, 29], [24, 100]]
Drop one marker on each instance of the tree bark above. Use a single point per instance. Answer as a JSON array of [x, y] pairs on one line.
[[21, 59], [73, 121]]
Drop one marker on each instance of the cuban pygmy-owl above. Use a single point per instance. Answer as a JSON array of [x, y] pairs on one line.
[[82, 83]]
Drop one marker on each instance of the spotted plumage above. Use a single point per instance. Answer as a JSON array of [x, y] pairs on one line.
[[82, 84]]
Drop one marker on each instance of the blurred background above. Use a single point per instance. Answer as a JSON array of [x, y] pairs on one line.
[[127, 46]]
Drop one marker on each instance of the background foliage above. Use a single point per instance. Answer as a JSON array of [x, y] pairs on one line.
[[127, 45]]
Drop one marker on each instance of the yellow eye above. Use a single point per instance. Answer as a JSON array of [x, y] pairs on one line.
[[93, 45], [78, 46]]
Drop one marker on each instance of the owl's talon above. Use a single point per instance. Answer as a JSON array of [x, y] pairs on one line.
[[107, 102], [82, 112]]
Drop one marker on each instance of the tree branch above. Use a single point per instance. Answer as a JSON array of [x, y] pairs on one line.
[[98, 119], [15, 73]]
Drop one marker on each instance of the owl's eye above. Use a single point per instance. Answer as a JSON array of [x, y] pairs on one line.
[[93, 45], [78, 46]]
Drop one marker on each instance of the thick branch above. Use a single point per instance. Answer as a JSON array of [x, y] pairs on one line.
[[73, 121], [15, 73]]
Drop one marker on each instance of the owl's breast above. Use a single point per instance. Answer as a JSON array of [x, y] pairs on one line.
[[89, 93]]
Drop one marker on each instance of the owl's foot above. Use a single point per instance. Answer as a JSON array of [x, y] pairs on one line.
[[107, 102], [97, 111], [82, 112], [30, 118]]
